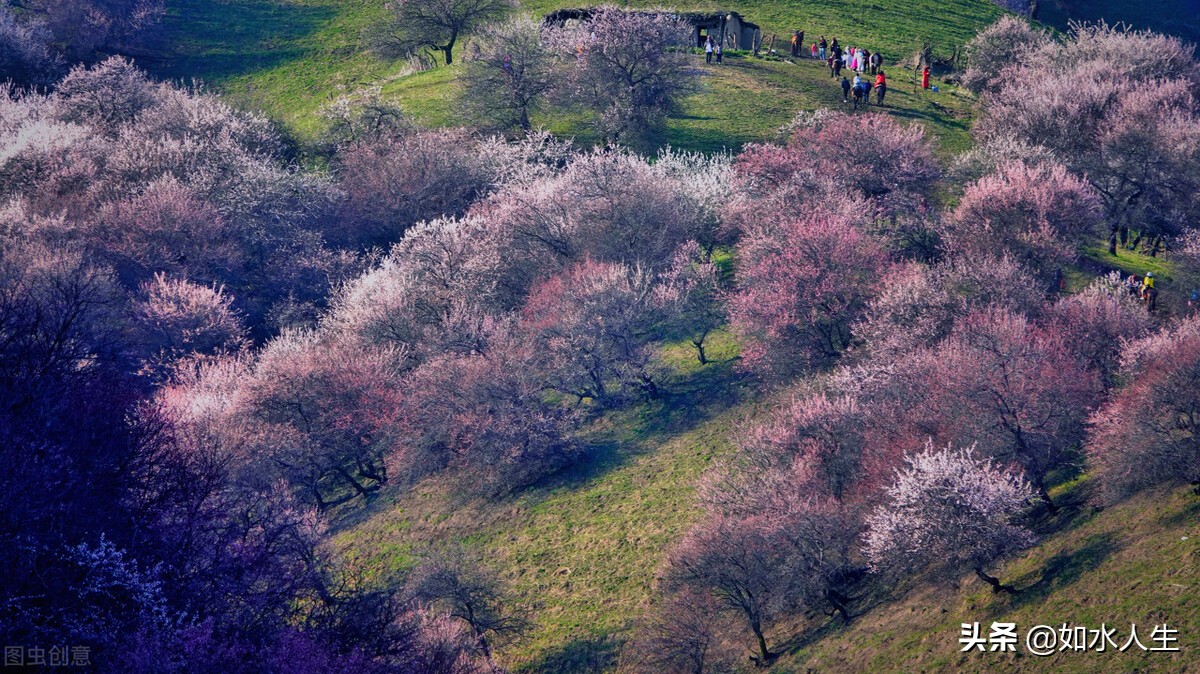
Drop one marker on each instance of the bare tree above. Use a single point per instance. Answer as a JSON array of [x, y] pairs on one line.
[[451, 580], [680, 636], [741, 567], [433, 24], [508, 78], [626, 65]]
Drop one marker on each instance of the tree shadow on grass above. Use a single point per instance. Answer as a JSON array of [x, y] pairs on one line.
[[1189, 515], [682, 405], [1066, 568], [214, 41], [579, 656]]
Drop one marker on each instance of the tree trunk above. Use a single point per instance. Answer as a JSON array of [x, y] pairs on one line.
[[838, 602], [649, 387], [698, 342], [997, 586], [764, 653], [370, 472], [1112, 241], [1044, 495]]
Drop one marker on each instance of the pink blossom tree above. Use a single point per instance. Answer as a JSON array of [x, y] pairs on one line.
[[1007, 43], [1040, 214], [917, 306], [1098, 321], [816, 436], [950, 510], [606, 206], [1149, 432], [485, 415], [326, 414], [1130, 91], [625, 65], [177, 318], [1012, 388], [873, 157], [399, 179], [801, 285], [592, 324]]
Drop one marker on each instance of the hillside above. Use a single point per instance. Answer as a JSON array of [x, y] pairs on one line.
[[1136, 562], [582, 551], [291, 57]]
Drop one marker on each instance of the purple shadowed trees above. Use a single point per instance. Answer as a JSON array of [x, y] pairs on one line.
[[627, 66]]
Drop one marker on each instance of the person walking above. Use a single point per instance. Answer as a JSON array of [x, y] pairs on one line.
[[880, 87], [858, 91], [845, 90], [799, 43], [1149, 292], [717, 50], [876, 62], [866, 60], [708, 50], [925, 77], [814, 50], [823, 46]]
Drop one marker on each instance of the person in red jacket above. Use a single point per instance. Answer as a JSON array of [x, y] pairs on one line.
[[880, 87], [925, 78]]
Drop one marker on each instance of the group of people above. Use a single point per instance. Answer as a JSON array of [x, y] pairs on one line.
[[866, 66], [861, 89]]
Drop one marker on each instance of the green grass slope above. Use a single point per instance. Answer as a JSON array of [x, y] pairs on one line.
[[1135, 563], [291, 57], [744, 100], [581, 551]]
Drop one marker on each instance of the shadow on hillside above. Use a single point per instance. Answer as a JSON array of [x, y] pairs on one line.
[[1067, 567], [579, 656], [809, 637], [1189, 515], [947, 121], [213, 40], [682, 405]]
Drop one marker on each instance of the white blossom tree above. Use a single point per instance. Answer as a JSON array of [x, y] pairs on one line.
[[951, 511]]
